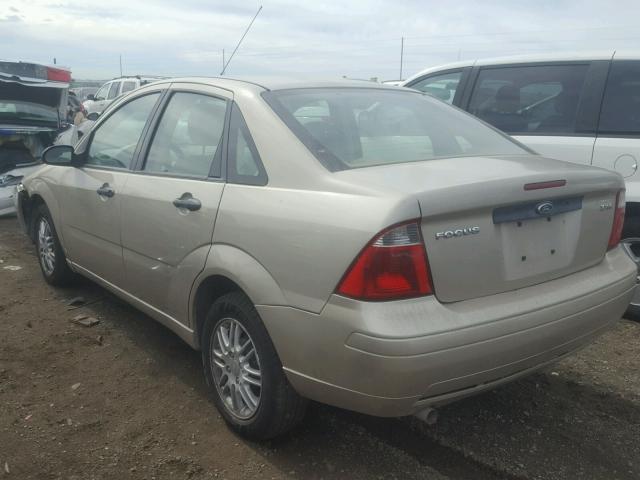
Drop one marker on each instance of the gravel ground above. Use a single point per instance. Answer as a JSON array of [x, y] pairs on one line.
[[126, 399]]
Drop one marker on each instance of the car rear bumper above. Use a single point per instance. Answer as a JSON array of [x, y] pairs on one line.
[[396, 358]]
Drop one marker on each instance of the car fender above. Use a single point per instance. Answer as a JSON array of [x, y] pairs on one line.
[[37, 186], [242, 269]]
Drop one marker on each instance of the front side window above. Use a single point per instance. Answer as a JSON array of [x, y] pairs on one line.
[[115, 140], [102, 93], [113, 91], [363, 127], [189, 136], [442, 86], [529, 99], [621, 105]]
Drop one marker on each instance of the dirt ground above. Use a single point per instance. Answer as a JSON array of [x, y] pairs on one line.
[[127, 399]]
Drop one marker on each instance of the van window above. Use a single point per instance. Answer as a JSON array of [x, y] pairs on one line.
[[621, 104], [113, 91], [529, 99], [101, 94], [128, 86], [440, 86]]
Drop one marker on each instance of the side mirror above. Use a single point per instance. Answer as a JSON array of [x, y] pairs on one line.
[[93, 116], [61, 155], [91, 96]]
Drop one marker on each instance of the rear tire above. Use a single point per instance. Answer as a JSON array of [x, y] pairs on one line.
[[244, 372], [633, 313], [51, 258]]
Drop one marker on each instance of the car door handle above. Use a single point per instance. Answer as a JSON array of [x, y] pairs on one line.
[[188, 202], [106, 191]]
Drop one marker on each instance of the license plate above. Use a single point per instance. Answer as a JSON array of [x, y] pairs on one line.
[[540, 245]]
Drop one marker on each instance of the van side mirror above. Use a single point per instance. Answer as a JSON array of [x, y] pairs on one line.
[[61, 155], [91, 96], [93, 116]]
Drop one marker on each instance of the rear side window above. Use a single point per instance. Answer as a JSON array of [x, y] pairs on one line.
[[442, 86], [113, 91], [115, 140], [530, 99], [244, 164], [189, 136], [362, 127], [621, 105], [128, 86]]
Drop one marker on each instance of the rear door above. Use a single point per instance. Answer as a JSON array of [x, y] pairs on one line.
[[171, 202], [618, 143], [550, 107], [91, 195]]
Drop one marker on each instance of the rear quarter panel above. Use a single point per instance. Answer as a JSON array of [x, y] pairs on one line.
[[304, 239]]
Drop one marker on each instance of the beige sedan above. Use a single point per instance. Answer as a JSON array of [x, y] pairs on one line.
[[365, 246]]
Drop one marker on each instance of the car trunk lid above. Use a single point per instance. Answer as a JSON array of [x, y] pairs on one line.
[[485, 233]]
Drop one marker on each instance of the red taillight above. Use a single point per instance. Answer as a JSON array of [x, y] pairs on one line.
[[392, 266], [58, 75], [618, 221]]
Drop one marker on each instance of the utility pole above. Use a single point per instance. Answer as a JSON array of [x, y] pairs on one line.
[[242, 38], [401, 56], [120, 64]]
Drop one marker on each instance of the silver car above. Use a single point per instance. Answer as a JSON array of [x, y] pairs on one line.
[[364, 246]]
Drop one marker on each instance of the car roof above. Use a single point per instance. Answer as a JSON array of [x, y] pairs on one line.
[[260, 84], [553, 57]]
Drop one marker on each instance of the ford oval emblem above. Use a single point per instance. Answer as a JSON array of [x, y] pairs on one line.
[[544, 208]]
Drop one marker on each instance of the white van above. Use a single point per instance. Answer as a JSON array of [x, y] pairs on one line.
[[583, 108], [111, 90]]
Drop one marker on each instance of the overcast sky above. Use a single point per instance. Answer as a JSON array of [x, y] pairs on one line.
[[356, 38]]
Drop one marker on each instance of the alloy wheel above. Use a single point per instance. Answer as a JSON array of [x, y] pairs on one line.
[[236, 368], [46, 247]]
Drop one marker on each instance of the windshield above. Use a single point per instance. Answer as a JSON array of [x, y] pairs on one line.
[[360, 127], [25, 105]]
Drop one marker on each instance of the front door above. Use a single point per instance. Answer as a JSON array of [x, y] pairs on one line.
[[171, 202], [91, 194]]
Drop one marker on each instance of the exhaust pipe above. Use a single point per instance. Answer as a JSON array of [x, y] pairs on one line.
[[428, 416]]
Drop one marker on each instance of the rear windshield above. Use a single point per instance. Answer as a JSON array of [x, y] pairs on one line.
[[349, 128], [24, 105]]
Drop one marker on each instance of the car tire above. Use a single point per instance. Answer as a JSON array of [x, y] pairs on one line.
[[51, 257], [235, 347], [633, 313]]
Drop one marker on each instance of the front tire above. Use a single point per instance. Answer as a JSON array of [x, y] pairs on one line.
[[244, 372], [51, 258]]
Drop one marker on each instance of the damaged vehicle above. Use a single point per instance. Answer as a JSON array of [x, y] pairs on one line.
[[33, 116], [364, 246]]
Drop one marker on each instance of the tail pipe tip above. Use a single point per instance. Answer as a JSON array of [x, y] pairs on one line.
[[428, 416]]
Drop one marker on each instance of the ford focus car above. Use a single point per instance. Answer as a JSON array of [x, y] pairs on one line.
[[364, 246]]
